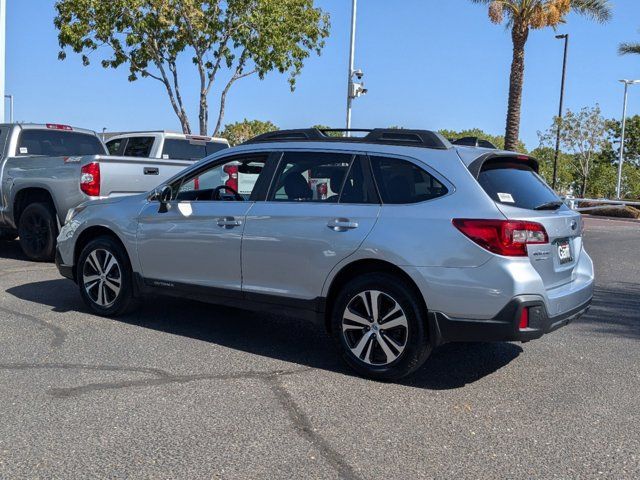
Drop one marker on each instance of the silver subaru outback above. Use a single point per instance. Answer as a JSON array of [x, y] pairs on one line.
[[397, 241]]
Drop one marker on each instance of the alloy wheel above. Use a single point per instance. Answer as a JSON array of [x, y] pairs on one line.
[[102, 277], [375, 328], [35, 232]]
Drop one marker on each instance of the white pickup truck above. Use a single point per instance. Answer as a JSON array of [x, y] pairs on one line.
[[163, 144], [46, 170]]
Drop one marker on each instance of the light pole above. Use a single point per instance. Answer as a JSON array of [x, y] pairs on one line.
[[624, 124], [10, 97], [3, 33], [354, 89], [564, 76]]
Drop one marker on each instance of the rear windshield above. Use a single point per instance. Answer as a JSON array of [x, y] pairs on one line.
[[516, 185], [185, 150], [58, 143]]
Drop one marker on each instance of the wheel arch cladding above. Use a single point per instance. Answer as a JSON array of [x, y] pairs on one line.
[[90, 234]]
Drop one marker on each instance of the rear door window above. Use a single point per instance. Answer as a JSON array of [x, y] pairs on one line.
[[138, 146], [516, 185], [402, 182], [177, 149], [58, 143], [114, 146]]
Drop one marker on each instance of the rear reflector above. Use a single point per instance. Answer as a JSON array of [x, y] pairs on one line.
[[57, 126], [524, 319], [90, 179], [504, 237]]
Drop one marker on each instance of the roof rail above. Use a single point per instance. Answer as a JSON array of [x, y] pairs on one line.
[[385, 136]]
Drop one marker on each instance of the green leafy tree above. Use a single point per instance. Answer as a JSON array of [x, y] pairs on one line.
[[244, 37], [583, 136], [239, 132], [329, 134], [497, 140], [631, 140], [565, 177], [521, 16]]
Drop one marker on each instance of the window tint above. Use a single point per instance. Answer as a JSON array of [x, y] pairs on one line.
[[400, 181], [319, 177], [138, 146], [516, 185], [114, 146], [58, 143], [241, 175], [189, 150]]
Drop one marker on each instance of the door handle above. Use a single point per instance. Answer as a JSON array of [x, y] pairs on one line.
[[342, 224], [151, 171], [229, 222]]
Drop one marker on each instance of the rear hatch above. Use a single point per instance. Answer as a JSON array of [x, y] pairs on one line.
[[521, 194]]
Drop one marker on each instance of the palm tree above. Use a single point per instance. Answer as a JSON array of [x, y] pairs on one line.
[[521, 16], [629, 48]]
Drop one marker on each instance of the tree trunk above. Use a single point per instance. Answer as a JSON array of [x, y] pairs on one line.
[[204, 114], [519, 35]]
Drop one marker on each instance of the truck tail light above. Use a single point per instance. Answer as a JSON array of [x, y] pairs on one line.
[[57, 126], [504, 237], [232, 172], [90, 179]]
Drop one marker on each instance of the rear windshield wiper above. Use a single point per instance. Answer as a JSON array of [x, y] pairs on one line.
[[549, 205]]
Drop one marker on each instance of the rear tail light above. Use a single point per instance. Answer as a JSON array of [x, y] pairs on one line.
[[504, 237], [232, 172], [90, 179], [524, 319]]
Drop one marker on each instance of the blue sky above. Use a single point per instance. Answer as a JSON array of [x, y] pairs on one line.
[[428, 64]]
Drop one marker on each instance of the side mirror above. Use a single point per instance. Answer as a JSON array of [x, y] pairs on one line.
[[164, 197]]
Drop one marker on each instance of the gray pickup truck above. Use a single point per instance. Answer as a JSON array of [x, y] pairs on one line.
[[46, 170]]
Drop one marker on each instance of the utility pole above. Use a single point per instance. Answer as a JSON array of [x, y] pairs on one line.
[[624, 124], [3, 34], [564, 76], [354, 89]]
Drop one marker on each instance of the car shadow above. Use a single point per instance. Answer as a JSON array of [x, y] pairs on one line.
[[615, 310], [11, 250], [282, 338]]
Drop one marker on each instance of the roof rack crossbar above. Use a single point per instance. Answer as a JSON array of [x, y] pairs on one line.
[[386, 136]]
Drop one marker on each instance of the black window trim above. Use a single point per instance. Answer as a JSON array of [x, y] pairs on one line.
[[368, 176], [418, 163]]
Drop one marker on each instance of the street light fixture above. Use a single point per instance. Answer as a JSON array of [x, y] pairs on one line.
[[624, 124], [564, 76]]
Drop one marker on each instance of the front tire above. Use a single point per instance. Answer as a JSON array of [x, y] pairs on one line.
[[379, 327], [104, 277], [38, 230]]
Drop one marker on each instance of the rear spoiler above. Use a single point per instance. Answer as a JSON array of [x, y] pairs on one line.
[[502, 157]]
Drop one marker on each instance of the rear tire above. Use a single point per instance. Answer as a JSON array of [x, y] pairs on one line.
[[105, 277], [379, 326], [38, 230]]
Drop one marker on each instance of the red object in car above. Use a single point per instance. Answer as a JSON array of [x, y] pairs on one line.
[[232, 181], [504, 237], [90, 179]]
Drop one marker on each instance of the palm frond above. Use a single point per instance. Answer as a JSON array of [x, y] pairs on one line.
[[598, 10], [629, 49]]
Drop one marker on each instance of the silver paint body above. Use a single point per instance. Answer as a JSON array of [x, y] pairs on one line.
[[286, 249], [60, 176]]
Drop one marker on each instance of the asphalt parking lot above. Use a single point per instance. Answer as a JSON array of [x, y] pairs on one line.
[[187, 390]]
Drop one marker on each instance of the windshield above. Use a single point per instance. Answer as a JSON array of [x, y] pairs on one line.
[[516, 185], [186, 150], [58, 143]]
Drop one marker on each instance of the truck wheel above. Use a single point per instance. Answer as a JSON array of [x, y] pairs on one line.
[[379, 327], [105, 278], [38, 231]]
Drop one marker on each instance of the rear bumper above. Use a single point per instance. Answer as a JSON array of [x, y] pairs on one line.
[[65, 270], [505, 326]]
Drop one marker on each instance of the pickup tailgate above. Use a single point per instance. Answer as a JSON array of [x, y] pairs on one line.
[[132, 175]]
